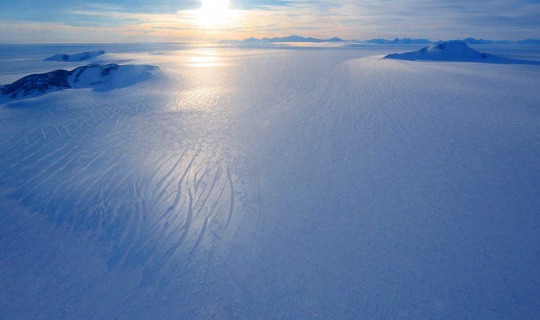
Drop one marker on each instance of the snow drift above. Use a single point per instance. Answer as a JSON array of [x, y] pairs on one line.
[[457, 51], [75, 57], [98, 77]]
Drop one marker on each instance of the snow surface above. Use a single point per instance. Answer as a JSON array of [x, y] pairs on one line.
[[268, 184], [75, 57], [454, 51]]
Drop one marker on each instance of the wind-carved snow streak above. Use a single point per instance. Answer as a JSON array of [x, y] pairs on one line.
[[152, 206], [231, 208], [164, 194]]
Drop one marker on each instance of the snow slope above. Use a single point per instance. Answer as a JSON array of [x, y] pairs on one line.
[[268, 184], [75, 57], [454, 51]]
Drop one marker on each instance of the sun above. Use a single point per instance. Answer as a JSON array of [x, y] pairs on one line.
[[214, 13]]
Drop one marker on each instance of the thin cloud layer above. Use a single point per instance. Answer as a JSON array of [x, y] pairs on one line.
[[143, 20]]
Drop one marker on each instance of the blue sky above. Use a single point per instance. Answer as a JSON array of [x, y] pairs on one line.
[[170, 20]]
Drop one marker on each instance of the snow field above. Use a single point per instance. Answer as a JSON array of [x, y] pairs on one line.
[[298, 183]]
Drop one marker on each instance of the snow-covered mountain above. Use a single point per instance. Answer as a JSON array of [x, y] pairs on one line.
[[37, 84], [96, 76], [457, 51], [83, 56]]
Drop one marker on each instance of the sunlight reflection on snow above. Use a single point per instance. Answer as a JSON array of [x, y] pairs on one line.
[[204, 58]]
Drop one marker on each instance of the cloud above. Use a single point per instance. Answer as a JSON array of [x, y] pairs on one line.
[[261, 4], [449, 19], [349, 19]]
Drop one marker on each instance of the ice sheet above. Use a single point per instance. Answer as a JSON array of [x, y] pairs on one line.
[[272, 183]]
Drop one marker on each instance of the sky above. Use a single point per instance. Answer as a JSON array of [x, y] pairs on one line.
[[24, 21]]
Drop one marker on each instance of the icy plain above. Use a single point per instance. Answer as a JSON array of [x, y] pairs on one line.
[[272, 183]]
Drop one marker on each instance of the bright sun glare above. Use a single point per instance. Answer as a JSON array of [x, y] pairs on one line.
[[214, 13]]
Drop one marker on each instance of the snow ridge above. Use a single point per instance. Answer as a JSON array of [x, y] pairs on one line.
[[75, 57]]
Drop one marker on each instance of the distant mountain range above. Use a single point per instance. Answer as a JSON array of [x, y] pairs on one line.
[[295, 38], [466, 40], [75, 57], [399, 41], [284, 39]]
